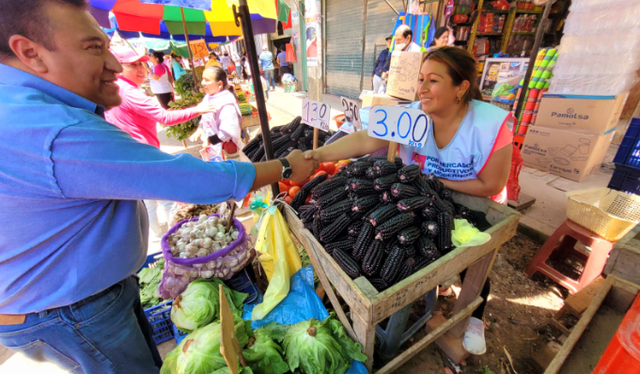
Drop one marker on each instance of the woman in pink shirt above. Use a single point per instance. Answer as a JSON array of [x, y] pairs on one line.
[[138, 115]]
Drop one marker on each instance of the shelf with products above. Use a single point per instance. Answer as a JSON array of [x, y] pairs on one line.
[[521, 11]]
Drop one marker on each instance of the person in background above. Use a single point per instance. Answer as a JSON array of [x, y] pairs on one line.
[[404, 40], [468, 147], [266, 66], [441, 38], [176, 64], [284, 64], [246, 72], [237, 61], [224, 125], [160, 79], [138, 115], [379, 66], [225, 60], [74, 228], [213, 60]]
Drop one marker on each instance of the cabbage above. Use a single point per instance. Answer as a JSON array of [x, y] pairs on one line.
[[199, 352], [264, 355], [198, 305], [320, 347]]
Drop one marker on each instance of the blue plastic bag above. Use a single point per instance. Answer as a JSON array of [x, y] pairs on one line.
[[301, 304]]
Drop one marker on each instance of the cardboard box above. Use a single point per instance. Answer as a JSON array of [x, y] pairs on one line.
[[403, 75], [594, 114], [570, 154], [381, 99]]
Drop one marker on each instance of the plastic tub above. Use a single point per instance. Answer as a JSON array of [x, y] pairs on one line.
[[623, 353]]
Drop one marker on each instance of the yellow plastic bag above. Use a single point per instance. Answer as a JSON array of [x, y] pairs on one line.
[[279, 258], [467, 235]]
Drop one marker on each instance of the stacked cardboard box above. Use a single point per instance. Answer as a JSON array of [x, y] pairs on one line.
[[572, 134]]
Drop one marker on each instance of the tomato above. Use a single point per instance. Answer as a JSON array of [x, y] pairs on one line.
[[341, 164], [300, 184], [288, 199], [321, 172], [320, 167], [329, 167], [282, 186], [293, 191]]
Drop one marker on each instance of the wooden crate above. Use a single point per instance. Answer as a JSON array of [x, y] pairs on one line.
[[368, 307], [579, 354]]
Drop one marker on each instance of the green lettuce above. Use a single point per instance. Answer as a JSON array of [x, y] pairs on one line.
[[263, 354], [320, 347], [199, 304], [199, 352]]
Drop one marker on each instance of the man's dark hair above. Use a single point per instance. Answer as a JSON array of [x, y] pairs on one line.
[[28, 18]]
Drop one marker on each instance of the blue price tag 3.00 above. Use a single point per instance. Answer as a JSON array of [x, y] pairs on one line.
[[398, 124]]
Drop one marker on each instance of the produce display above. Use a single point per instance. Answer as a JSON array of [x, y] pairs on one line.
[[201, 238], [199, 304], [150, 278], [382, 220], [285, 139], [188, 211], [263, 353]]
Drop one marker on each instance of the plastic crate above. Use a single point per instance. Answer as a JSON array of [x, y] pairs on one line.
[[629, 150], [243, 281], [159, 316], [625, 179]]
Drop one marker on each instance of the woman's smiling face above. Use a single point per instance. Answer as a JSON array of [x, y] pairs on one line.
[[435, 87]]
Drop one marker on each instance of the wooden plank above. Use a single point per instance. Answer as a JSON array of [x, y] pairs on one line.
[[229, 346], [580, 301], [403, 293], [578, 329], [405, 356], [524, 201], [365, 335], [543, 357]]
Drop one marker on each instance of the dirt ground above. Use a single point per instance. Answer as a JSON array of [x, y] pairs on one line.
[[516, 316]]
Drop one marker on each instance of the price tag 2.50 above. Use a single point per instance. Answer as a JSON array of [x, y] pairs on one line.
[[351, 112], [316, 114], [401, 125]]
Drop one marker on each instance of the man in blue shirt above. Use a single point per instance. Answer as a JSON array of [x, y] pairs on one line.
[[73, 228], [284, 64], [381, 67], [266, 66]]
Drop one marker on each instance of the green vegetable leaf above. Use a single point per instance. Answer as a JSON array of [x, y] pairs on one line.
[[352, 349], [274, 331], [264, 355]]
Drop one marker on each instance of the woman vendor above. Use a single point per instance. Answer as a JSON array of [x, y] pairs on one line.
[[224, 125], [468, 146]]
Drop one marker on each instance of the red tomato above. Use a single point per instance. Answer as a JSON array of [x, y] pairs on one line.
[[293, 191], [282, 186], [300, 184], [329, 167], [319, 173], [288, 199], [319, 168]]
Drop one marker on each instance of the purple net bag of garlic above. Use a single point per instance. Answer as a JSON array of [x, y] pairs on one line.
[[196, 251]]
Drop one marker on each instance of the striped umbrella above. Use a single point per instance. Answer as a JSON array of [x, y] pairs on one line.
[[156, 17]]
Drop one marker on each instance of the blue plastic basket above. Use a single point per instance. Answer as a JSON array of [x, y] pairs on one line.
[[626, 179], [629, 150], [159, 316]]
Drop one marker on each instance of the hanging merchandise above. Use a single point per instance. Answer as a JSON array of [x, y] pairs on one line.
[[278, 256], [291, 53]]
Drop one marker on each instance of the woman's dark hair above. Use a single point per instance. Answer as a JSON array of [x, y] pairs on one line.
[[439, 31], [461, 67], [159, 55], [219, 75]]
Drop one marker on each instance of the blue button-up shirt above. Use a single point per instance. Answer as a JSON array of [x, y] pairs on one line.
[[382, 63], [72, 222]]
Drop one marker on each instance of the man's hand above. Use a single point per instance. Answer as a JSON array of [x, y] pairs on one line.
[[206, 107], [302, 168]]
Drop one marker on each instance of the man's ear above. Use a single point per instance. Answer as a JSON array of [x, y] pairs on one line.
[[28, 52]]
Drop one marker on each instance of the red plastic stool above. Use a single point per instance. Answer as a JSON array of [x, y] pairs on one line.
[[568, 234]]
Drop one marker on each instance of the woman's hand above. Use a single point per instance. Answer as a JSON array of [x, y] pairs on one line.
[[315, 155], [206, 107], [196, 136]]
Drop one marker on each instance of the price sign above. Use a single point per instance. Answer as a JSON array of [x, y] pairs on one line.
[[316, 114], [198, 48], [401, 125], [351, 112]]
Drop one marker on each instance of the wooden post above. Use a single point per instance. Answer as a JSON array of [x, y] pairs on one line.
[[231, 213], [316, 133], [229, 346], [393, 149], [186, 38], [184, 143]]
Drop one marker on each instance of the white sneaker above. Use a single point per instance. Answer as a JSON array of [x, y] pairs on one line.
[[473, 341]]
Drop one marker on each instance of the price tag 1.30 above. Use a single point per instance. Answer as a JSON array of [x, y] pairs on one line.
[[351, 112], [316, 114], [398, 124]]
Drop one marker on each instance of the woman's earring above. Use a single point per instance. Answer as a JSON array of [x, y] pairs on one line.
[[458, 101]]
